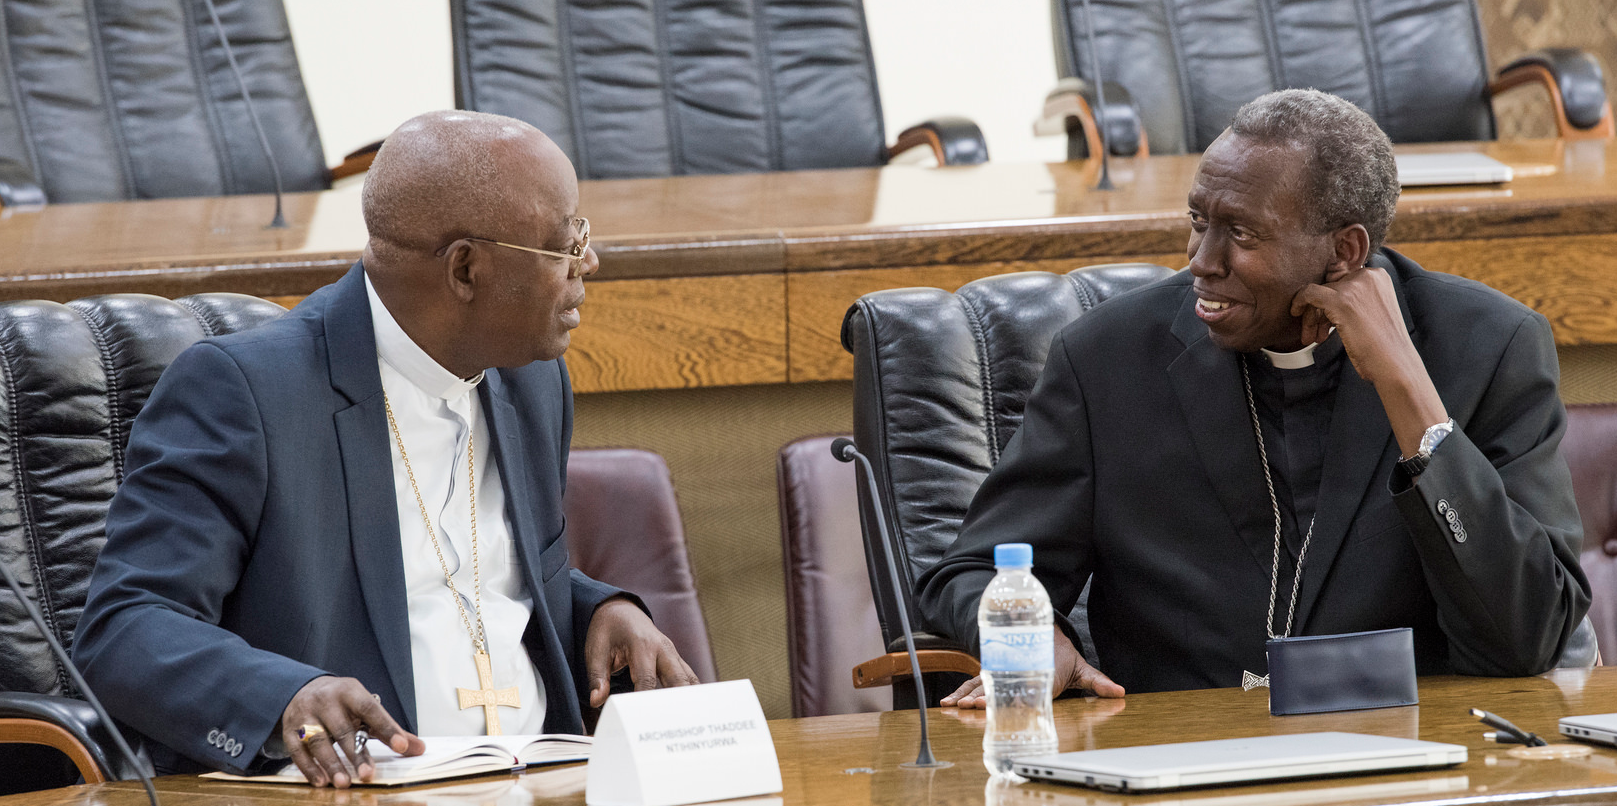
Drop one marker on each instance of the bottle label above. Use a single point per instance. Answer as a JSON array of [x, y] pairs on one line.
[[1019, 649]]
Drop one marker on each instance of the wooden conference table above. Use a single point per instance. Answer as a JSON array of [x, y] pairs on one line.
[[848, 760], [727, 280]]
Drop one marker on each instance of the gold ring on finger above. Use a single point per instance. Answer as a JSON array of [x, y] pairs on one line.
[[310, 732]]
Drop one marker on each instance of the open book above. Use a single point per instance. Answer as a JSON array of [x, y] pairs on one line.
[[448, 757]]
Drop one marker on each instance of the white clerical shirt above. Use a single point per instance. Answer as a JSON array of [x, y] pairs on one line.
[[436, 413]]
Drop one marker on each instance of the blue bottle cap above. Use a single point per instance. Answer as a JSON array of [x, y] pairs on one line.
[[1013, 555]]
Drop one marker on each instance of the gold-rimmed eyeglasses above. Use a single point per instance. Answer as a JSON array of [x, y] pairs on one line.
[[574, 257]]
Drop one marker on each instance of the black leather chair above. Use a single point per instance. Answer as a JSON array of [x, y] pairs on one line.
[[135, 100], [692, 87], [1419, 67], [940, 381], [75, 376]]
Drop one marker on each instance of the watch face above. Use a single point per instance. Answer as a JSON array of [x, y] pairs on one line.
[[1433, 436]]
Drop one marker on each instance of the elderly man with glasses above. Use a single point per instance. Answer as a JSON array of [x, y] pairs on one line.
[[350, 520]]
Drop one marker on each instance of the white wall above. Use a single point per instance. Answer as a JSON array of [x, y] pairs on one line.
[[988, 60], [370, 64]]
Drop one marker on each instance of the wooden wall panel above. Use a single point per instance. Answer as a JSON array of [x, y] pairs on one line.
[[675, 333], [681, 333], [1558, 277], [818, 301]]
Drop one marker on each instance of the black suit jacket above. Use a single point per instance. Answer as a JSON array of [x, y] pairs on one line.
[[1136, 462], [254, 544]]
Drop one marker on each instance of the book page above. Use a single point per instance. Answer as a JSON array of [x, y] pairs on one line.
[[448, 757]]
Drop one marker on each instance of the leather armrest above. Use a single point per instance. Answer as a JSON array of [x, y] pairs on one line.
[[68, 725], [954, 141], [356, 162], [1069, 109], [18, 188], [936, 654], [1576, 86]]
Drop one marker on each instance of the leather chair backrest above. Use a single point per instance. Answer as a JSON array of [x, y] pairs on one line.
[[1590, 448], [670, 87], [940, 381], [102, 101], [72, 379], [831, 621], [624, 529], [1419, 67]]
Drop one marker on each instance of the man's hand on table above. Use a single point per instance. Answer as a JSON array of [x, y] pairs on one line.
[[1072, 671], [341, 707], [622, 635]]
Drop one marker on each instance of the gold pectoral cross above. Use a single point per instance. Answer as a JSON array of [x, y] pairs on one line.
[[485, 695]]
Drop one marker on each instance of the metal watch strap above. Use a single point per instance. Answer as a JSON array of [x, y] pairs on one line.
[[1434, 435]]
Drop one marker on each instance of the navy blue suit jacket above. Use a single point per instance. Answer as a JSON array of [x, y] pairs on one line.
[[254, 544]]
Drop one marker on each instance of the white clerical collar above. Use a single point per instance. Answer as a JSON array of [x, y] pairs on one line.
[[1296, 359], [401, 353]]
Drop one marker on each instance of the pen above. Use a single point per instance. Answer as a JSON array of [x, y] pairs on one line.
[[1504, 732]]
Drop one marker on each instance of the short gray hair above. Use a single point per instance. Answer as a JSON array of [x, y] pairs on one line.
[[1353, 177]]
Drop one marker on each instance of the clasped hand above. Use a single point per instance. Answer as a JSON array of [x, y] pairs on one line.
[[1072, 671], [620, 635]]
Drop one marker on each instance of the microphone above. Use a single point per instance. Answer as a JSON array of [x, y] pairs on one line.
[[1100, 100], [83, 687], [842, 448], [279, 222]]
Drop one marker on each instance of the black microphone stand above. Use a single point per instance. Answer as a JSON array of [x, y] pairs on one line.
[[78, 682], [844, 450], [1105, 182], [279, 221]]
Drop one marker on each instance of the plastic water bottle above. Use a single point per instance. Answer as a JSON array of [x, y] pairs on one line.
[[1017, 633]]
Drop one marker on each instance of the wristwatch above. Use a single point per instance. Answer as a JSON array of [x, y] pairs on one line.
[[1428, 443]]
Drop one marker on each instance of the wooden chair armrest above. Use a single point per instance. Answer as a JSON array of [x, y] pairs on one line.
[[72, 727], [356, 162], [1069, 109], [1559, 71], [882, 671], [34, 731], [953, 140]]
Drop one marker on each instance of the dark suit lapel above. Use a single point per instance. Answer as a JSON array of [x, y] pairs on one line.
[[373, 524], [1358, 442], [512, 457], [1207, 381]]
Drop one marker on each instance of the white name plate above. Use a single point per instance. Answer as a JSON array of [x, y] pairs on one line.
[[682, 745]]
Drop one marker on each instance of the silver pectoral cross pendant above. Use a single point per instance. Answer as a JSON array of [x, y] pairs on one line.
[[1251, 681]]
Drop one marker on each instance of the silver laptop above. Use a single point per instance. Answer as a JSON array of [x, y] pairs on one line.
[[1457, 168], [1599, 728], [1233, 761]]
